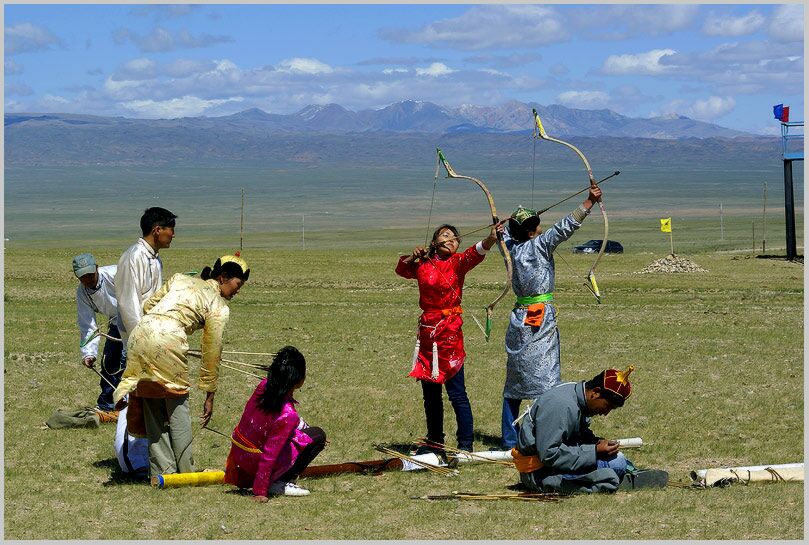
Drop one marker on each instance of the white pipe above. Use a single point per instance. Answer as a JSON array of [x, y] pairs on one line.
[[701, 473]]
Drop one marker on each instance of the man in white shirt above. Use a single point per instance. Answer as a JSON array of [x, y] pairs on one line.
[[140, 274], [96, 295], [140, 270]]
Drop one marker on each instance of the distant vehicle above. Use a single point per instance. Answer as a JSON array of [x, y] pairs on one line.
[[592, 246]]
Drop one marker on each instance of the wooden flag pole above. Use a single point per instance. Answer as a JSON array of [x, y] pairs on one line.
[[241, 226]]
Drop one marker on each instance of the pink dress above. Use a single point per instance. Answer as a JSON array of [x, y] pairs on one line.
[[265, 445], [440, 289]]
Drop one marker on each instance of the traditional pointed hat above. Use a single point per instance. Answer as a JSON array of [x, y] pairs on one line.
[[617, 381]]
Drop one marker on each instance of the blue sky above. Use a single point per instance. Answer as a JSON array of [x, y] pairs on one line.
[[721, 63]]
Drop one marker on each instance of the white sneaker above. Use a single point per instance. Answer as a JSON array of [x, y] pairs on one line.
[[281, 488]]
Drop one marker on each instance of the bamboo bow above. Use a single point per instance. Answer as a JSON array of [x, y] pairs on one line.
[[500, 242], [539, 132]]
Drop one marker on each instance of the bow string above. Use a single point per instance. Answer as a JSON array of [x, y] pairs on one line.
[[539, 132], [500, 242]]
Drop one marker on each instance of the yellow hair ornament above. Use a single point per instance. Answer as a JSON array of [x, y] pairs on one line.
[[622, 376], [235, 259]]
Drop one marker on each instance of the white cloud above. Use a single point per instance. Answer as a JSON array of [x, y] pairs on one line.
[[584, 99], [120, 89], [136, 69], [182, 68], [620, 22], [162, 40], [305, 66], [787, 23], [659, 19], [185, 106], [643, 63], [489, 27], [26, 37], [435, 69], [718, 25], [743, 67], [713, 107], [707, 109], [395, 71]]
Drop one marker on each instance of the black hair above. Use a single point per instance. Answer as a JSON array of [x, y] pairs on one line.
[[156, 217], [288, 368], [598, 382], [229, 270], [519, 232], [438, 231]]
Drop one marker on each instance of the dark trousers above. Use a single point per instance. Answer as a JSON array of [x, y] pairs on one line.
[[308, 453], [111, 368], [434, 410], [511, 410]]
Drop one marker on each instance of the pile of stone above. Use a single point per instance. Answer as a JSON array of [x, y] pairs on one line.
[[671, 264]]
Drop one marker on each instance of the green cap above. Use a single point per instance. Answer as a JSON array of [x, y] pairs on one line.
[[522, 214]]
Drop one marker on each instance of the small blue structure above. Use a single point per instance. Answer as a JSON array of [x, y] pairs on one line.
[[789, 154]]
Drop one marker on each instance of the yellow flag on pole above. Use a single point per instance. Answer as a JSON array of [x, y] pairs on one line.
[[665, 225]]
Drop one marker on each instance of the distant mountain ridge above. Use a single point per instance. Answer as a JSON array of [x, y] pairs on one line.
[[400, 134], [424, 117]]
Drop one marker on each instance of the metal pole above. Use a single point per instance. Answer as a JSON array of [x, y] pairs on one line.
[[789, 211], [303, 232], [764, 218], [241, 225], [754, 236], [721, 223]]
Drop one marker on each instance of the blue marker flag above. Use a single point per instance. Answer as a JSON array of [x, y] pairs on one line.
[[778, 111]]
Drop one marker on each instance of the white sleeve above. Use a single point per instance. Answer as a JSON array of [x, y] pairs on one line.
[[128, 292], [480, 249], [86, 320]]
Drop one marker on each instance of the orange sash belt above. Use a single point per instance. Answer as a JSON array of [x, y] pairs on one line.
[[452, 311], [525, 464], [243, 443], [535, 314]]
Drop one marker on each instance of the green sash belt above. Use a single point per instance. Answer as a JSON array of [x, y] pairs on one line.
[[533, 299]]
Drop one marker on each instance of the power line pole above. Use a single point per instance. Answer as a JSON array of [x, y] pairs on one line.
[[721, 223], [303, 231], [754, 235], [764, 217], [241, 225]]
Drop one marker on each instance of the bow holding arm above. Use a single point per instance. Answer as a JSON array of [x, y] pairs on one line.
[[500, 242], [591, 280]]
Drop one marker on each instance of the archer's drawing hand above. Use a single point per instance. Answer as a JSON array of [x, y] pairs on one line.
[[418, 253], [89, 361], [491, 240]]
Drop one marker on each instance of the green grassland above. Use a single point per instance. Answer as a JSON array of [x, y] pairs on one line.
[[719, 378]]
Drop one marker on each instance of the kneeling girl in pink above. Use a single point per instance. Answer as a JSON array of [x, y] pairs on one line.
[[272, 445]]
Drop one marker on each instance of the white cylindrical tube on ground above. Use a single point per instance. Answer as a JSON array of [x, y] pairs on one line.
[[720, 472]]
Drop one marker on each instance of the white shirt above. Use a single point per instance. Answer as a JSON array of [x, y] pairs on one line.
[[100, 299], [140, 274], [132, 452]]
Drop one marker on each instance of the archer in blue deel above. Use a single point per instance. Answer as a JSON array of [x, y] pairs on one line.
[[532, 338]]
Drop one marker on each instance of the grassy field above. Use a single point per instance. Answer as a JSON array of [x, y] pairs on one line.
[[719, 381]]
